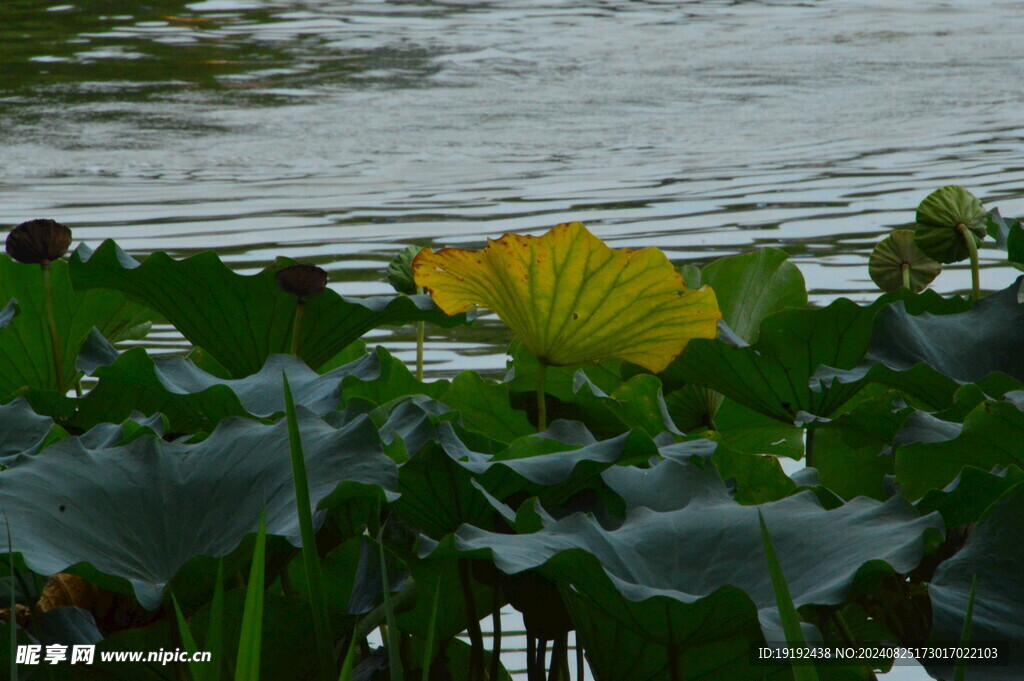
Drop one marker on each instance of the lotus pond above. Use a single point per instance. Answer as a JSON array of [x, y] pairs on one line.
[[305, 507]]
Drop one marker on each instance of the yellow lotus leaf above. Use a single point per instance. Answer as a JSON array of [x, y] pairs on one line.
[[571, 299]]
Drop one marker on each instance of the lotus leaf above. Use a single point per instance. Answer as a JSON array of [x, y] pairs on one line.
[[571, 299], [142, 511], [26, 358], [945, 219], [992, 553], [241, 320], [896, 262]]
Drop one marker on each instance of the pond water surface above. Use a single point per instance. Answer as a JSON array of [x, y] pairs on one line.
[[338, 133]]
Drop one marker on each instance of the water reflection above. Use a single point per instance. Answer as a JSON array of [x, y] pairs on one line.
[[340, 132]]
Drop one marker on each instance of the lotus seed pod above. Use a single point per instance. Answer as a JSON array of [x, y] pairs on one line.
[[302, 280], [38, 241], [896, 252], [399, 273], [944, 219]]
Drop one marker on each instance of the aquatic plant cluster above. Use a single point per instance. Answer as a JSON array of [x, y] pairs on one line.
[[282, 492]]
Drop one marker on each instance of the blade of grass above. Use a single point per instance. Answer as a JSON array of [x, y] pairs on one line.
[[787, 611], [250, 637], [965, 634], [215, 629], [350, 660], [428, 651], [310, 560], [13, 643], [195, 669], [394, 657]]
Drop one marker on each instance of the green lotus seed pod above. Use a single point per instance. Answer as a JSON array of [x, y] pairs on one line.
[[895, 253], [944, 218], [399, 273], [38, 241], [302, 280]]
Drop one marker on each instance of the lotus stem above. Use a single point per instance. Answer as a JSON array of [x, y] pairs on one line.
[[972, 251], [542, 406], [51, 324], [428, 649], [421, 333], [580, 668], [496, 637], [300, 311], [476, 637], [905, 268], [848, 637]]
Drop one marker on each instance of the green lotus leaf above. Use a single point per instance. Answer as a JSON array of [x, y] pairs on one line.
[[896, 262], [1009, 236], [486, 407], [571, 299], [774, 376], [684, 540], [241, 320], [967, 345], [21, 429], [26, 358], [140, 512], [992, 554], [191, 399], [945, 219], [399, 272], [967, 498], [751, 286], [992, 435], [853, 453], [389, 380]]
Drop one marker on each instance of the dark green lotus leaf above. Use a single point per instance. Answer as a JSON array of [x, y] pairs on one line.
[[21, 429], [965, 499], [992, 553], [486, 407], [992, 435], [685, 539], [1009, 236], [636, 403], [288, 651], [399, 272], [853, 453], [751, 286], [669, 551], [944, 219], [774, 375], [896, 253], [446, 483], [191, 399], [745, 430], [160, 634], [925, 385], [390, 381], [241, 320], [26, 359], [754, 478], [967, 346], [141, 511]]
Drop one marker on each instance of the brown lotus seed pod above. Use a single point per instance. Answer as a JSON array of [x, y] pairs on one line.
[[38, 241], [302, 280]]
